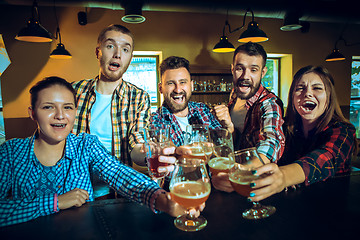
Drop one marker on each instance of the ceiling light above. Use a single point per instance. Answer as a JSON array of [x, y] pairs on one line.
[[224, 46], [133, 12], [34, 31], [252, 34], [291, 21], [59, 52], [335, 56]]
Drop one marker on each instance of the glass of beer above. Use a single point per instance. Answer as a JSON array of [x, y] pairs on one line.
[[222, 147], [190, 187], [240, 176], [197, 139], [157, 137]]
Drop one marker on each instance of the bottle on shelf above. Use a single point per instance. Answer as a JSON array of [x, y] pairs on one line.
[[196, 86], [201, 87], [205, 86], [222, 85], [229, 86]]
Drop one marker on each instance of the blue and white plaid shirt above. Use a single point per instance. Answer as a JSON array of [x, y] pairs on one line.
[[199, 113], [21, 176]]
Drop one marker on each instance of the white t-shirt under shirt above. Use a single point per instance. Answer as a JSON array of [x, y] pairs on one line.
[[183, 122], [238, 114], [100, 123]]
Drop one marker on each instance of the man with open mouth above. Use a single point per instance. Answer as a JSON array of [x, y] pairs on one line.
[[255, 112], [177, 110], [108, 106]]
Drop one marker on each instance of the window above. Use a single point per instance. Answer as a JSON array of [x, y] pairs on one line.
[[2, 128], [143, 72], [271, 79], [355, 94], [4, 63]]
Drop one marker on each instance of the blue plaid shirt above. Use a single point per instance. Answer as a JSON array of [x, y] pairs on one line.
[[199, 113], [21, 173]]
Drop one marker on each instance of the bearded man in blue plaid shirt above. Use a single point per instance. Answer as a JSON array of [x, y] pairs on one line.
[[177, 110]]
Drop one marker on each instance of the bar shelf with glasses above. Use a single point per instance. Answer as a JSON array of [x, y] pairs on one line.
[[211, 88]]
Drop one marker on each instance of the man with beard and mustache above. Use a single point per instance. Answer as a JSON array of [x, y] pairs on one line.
[[255, 112], [177, 110]]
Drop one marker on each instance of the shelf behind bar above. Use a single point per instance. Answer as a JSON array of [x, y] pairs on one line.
[[209, 92]]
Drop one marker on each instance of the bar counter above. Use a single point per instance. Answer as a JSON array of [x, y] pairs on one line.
[[325, 210]]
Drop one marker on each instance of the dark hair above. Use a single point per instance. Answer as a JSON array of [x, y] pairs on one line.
[[117, 28], [332, 111], [252, 49], [174, 62], [46, 83]]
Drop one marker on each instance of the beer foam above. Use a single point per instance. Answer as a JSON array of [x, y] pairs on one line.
[[220, 163], [242, 177], [191, 189]]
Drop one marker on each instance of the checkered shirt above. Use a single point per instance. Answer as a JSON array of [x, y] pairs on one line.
[[263, 124], [20, 171], [199, 113], [130, 111], [322, 155]]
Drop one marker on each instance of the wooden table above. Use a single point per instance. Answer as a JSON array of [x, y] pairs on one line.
[[326, 210]]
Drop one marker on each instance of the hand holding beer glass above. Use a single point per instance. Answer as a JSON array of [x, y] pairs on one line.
[[157, 137], [190, 187], [241, 176], [197, 139], [222, 146]]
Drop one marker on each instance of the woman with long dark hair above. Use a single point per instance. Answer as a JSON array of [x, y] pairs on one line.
[[319, 140]]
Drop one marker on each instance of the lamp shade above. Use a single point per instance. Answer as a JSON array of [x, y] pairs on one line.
[[34, 32], [253, 34], [133, 13], [224, 46], [335, 56], [291, 22], [60, 52]]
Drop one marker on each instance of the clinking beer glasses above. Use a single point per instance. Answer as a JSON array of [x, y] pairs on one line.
[[190, 187], [197, 138], [222, 146], [157, 137], [240, 176]]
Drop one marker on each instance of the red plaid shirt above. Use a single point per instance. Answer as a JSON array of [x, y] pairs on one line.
[[323, 155], [263, 124], [130, 111]]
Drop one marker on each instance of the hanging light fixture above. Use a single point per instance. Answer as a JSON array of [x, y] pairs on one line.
[[133, 12], [291, 21], [34, 31], [252, 34], [224, 46], [59, 52], [335, 55]]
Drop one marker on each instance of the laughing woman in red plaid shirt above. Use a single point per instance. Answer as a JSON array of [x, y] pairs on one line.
[[319, 140]]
